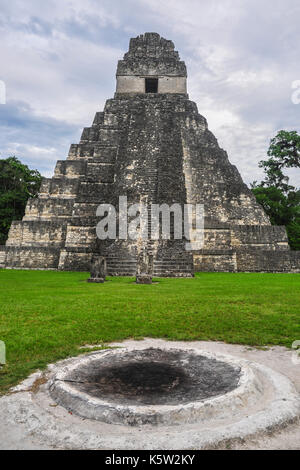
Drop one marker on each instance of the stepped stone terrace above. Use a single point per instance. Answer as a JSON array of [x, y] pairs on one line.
[[151, 145]]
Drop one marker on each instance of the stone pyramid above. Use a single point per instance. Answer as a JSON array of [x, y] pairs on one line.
[[150, 144]]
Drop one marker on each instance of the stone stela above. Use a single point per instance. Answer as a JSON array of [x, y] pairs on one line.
[[149, 143], [98, 269], [144, 267]]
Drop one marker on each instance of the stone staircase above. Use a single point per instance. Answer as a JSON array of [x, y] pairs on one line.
[[173, 268], [162, 268], [120, 267], [181, 266]]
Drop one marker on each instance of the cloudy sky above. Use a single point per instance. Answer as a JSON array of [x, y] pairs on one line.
[[58, 60]]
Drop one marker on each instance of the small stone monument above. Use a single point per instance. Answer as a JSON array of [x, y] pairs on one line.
[[98, 269], [144, 268]]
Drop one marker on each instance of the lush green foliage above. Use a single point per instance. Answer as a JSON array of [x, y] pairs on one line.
[[280, 200], [284, 152], [17, 184], [45, 316], [283, 209]]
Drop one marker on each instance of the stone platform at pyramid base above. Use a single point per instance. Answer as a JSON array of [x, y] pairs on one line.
[[37, 244], [231, 260], [247, 261]]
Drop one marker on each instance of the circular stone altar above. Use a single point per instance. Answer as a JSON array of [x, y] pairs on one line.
[[152, 386], [155, 394]]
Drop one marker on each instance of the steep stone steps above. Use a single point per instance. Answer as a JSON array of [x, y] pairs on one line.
[[162, 268]]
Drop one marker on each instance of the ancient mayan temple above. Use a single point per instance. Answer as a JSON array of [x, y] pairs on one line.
[[151, 144]]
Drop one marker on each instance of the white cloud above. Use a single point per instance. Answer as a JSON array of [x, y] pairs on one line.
[[242, 58]]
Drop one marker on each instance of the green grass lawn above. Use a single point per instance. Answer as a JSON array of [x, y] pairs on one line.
[[46, 316]]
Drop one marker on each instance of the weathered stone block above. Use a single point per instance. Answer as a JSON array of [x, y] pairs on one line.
[[143, 279]]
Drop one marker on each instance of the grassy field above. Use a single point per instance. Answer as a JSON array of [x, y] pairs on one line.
[[46, 316]]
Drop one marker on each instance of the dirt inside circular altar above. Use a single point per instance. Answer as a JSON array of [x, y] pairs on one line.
[[154, 377]]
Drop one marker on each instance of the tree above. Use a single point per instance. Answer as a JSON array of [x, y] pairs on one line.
[[17, 184], [280, 200], [284, 152]]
